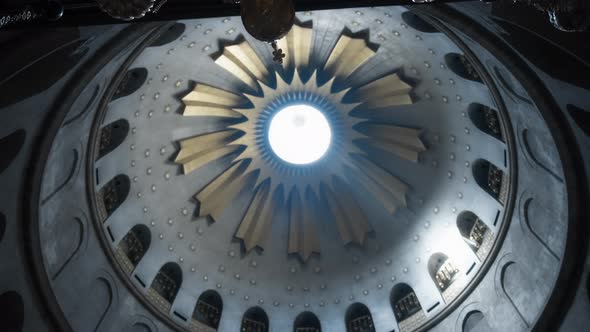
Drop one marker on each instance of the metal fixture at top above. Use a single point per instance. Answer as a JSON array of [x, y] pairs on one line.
[[267, 20], [126, 10]]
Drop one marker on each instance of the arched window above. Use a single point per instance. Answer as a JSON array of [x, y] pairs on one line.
[[486, 119], [406, 307], [461, 66], [165, 286], [208, 309], [111, 136], [443, 273], [475, 233], [307, 322], [491, 179], [133, 246], [112, 195], [358, 318], [255, 320]]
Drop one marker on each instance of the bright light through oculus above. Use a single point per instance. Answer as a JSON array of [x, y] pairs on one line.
[[299, 134]]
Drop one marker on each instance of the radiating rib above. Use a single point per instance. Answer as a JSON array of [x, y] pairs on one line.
[[218, 194], [297, 47], [242, 61], [387, 91], [389, 190], [206, 100], [347, 56], [405, 142], [303, 239], [350, 219], [198, 151], [257, 221]]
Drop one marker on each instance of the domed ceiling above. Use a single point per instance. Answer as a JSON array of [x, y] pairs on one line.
[[389, 227], [379, 209]]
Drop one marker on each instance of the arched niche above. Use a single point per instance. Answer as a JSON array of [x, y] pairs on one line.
[[486, 119], [112, 195], [133, 247], [462, 67], [208, 309], [307, 322], [443, 273], [491, 179], [475, 233], [358, 318], [165, 286], [254, 320], [406, 307], [111, 136]]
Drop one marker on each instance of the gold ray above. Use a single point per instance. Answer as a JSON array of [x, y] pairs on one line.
[[200, 150], [405, 142], [347, 56], [389, 190], [242, 61], [303, 239], [215, 196], [258, 218], [297, 46], [202, 158], [350, 219], [385, 92], [206, 100], [385, 102]]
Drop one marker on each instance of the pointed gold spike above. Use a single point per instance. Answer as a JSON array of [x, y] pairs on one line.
[[326, 88], [347, 108], [258, 218], [296, 83], [303, 239], [337, 96], [247, 140], [350, 219], [347, 56], [258, 103], [313, 79], [297, 46], [267, 91], [214, 197], [243, 127], [263, 173], [389, 190], [242, 61]]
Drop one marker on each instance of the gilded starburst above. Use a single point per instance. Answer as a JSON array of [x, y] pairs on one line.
[[327, 180]]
